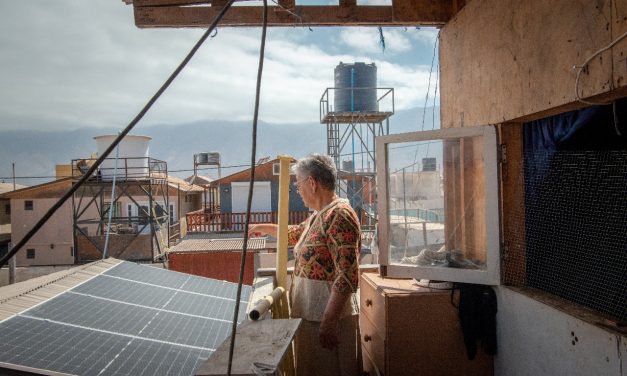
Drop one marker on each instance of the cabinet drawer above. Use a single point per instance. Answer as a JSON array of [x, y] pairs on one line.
[[372, 304], [370, 369], [372, 342]]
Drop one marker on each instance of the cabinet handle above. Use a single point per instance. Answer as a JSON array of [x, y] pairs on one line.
[[368, 302], [367, 338]]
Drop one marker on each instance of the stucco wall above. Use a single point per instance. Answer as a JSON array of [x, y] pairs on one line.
[[53, 242], [537, 339]]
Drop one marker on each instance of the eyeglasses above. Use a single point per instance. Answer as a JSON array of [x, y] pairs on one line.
[[297, 183]]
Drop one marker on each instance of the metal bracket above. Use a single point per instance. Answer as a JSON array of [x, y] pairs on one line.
[[503, 153]]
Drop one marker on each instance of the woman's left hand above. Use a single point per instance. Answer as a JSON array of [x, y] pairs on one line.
[[329, 334]]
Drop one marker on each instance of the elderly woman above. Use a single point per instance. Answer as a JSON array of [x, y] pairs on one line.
[[326, 250]]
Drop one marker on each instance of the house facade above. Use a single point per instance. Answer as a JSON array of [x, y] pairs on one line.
[[5, 216], [233, 190], [76, 232]]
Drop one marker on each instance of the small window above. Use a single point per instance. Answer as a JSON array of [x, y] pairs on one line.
[[171, 213], [30, 253], [7, 209], [129, 211], [72, 251], [276, 169], [28, 205]]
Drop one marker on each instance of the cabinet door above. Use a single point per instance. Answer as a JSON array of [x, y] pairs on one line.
[[438, 205]]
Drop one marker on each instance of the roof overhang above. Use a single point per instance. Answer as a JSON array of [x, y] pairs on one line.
[[200, 13]]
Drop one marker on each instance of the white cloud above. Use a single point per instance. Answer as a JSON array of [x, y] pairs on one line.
[[368, 40], [75, 64], [425, 35]]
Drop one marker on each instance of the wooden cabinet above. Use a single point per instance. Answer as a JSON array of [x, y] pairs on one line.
[[411, 330]]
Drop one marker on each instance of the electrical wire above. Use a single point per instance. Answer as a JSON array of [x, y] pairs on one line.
[[585, 64], [253, 160], [130, 174], [115, 142]]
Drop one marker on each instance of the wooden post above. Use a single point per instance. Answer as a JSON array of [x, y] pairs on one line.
[[281, 251], [283, 220]]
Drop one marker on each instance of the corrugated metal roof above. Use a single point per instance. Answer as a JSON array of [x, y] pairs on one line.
[[214, 235], [21, 296], [217, 245]]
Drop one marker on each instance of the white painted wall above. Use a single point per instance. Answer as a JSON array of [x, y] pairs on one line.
[[262, 201], [535, 339]]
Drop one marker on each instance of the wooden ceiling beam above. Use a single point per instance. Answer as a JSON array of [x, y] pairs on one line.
[[161, 13]]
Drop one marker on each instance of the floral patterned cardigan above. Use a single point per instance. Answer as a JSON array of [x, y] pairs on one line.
[[326, 249]]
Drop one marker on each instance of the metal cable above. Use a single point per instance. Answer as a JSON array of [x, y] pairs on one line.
[[112, 203], [115, 143], [251, 185]]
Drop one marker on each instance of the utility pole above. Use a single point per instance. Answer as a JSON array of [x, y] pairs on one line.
[[13, 175]]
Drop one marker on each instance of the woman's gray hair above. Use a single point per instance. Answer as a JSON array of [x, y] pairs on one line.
[[318, 166]]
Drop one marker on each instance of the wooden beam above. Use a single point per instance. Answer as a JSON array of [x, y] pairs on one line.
[[513, 259], [401, 13]]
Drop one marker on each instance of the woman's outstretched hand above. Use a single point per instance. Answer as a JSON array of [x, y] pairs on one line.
[[254, 231]]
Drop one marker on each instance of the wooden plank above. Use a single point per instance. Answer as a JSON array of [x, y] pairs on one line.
[[619, 52], [147, 3], [402, 13], [523, 68], [263, 341], [512, 201]]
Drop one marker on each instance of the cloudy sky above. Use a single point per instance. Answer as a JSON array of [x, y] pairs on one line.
[[69, 64]]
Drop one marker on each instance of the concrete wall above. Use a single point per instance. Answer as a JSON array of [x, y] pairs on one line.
[[537, 339], [5, 222], [53, 243]]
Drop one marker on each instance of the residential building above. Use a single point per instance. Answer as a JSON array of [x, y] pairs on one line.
[[56, 242], [5, 216]]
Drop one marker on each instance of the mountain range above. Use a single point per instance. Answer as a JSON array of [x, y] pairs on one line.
[[36, 152]]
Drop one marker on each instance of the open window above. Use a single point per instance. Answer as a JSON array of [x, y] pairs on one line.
[[438, 205]]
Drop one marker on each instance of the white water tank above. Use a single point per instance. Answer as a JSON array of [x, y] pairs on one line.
[[132, 157]]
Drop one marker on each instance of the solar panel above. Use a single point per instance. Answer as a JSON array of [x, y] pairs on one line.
[[131, 320]]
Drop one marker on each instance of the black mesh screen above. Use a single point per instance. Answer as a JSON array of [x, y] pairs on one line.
[[576, 228], [574, 184]]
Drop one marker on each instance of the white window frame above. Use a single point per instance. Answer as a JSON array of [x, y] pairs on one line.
[[488, 276], [276, 169]]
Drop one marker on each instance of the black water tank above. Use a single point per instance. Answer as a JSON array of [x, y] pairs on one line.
[[429, 164], [355, 87]]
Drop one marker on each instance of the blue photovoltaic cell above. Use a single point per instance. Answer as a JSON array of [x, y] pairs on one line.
[[56, 347], [149, 358], [132, 320], [126, 291], [187, 330], [148, 274], [201, 305], [94, 313], [216, 288]]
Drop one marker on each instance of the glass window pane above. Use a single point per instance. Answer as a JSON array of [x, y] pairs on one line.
[[436, 203]]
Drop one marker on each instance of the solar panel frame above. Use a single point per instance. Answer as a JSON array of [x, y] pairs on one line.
[[172, 320]]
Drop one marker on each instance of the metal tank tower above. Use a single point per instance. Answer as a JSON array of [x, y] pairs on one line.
[[355, 111]]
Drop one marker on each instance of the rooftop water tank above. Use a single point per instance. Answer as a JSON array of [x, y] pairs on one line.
[[429, 164], [355, 87], [347, 166], [213, 158], [132, 157], [208, 158]]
